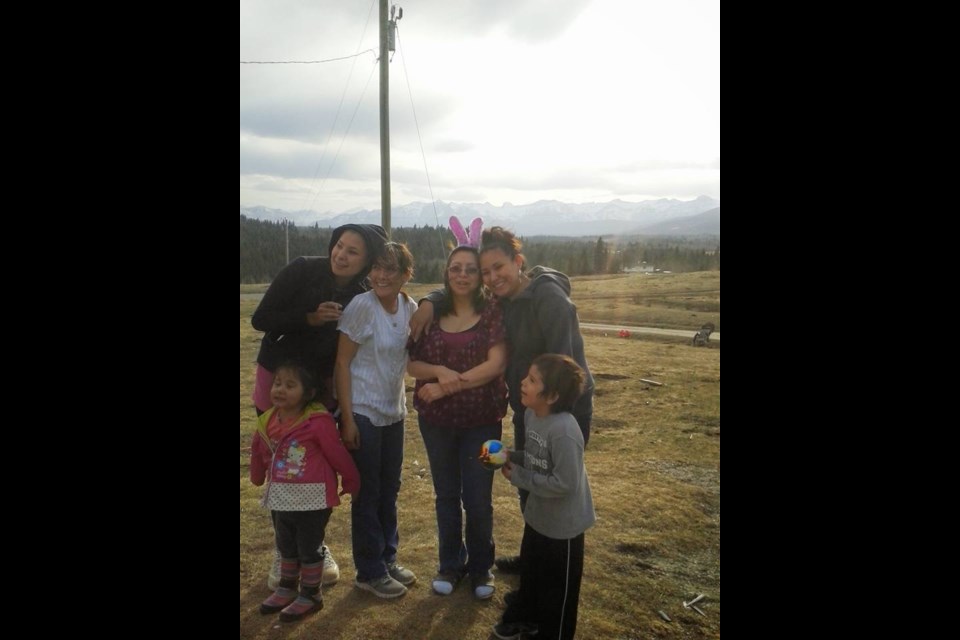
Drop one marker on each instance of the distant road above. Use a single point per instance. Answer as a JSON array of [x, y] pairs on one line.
[[684, 333]]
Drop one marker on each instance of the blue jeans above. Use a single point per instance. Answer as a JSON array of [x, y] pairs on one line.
[[459, 478], [373, 515]]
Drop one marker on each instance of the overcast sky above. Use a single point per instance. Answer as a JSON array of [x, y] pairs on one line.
[[517, 101]]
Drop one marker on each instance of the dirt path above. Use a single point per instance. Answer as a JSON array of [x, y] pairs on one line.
[[686, 333]]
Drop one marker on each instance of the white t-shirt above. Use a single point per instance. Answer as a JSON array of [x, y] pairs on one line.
[[376, 372]]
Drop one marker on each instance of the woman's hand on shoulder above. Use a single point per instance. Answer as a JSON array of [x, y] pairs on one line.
[[421, 320]]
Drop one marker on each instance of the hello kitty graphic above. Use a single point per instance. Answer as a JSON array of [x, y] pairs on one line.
[[295, 462]]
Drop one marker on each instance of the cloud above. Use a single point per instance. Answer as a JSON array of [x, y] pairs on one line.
[[518, 100], [294, 159], [667, 165], [529, 21], [453, 146]]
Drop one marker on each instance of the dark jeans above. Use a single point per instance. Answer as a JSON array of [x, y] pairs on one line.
[[374, 511], [583, 417], [459, 478], [549, 584], [300, 533]]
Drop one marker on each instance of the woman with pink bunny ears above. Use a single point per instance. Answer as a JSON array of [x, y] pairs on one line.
[[539, 317], [461, 399], [467, 237]]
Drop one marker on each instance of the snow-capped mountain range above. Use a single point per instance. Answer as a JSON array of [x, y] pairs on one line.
[[545, 217]]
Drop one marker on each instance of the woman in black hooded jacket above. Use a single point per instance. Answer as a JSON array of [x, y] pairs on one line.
[[299, 314], [300, 310]]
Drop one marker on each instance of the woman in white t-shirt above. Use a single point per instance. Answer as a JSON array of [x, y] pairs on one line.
[[371, 361]]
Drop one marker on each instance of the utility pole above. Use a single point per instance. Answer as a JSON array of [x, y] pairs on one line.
[[286, 235], [385, 25]]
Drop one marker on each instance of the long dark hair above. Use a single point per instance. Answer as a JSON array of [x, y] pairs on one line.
[[479, 299]]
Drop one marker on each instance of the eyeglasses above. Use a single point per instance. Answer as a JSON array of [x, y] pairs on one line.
[[456, 270]]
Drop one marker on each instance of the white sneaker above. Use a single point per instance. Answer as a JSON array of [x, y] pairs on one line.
[[273, 577], [331, 572]]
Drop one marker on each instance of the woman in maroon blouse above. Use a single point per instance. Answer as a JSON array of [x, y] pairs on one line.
[[461, 398]]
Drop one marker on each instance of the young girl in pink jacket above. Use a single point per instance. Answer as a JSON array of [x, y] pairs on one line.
[[297, 448]]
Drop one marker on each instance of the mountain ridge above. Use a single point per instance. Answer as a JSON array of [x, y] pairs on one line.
[[543, 217]]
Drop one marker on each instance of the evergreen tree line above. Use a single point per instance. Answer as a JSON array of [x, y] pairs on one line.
[[263, 251]]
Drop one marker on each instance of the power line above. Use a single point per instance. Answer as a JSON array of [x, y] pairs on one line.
[[346, 131], [336, 118], [307, 61], [403, 61]]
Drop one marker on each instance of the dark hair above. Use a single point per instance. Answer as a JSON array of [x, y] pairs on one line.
[[479, 300], [500, 238], [396, 254], [308, 380], [561, 376], [373, 236]]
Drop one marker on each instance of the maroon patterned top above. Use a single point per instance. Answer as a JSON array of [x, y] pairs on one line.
[[462, 352]]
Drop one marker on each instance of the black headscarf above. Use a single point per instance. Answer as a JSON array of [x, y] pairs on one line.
[[373, 236]]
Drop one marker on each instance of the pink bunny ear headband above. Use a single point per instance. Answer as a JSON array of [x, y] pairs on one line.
[[467, 237]]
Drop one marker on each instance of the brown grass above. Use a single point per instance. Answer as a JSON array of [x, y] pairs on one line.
[[654, 466], [664, 300]]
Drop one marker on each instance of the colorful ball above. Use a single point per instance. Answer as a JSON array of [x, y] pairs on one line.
[[493, 454]]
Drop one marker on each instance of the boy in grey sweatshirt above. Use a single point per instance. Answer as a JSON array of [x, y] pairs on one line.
[[560, 507]]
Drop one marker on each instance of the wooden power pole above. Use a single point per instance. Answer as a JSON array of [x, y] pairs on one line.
[[385, 26]]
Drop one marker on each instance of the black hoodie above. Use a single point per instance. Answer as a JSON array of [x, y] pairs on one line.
[[297, 290], [543, 319]]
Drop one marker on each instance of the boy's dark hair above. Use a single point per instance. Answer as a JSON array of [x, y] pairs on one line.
[[561, 376], [310, 382]]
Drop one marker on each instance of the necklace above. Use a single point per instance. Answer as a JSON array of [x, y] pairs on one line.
[[391, 315]]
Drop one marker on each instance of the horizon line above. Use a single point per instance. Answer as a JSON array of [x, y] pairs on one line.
[[500, 206]]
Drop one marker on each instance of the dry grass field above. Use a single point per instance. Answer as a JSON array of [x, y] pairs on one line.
[[668, 301], [654, 467]]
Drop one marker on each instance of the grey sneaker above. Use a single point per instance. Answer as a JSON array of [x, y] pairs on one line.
[[331, 572], [383, 587], [401, 575], [273, 577]]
